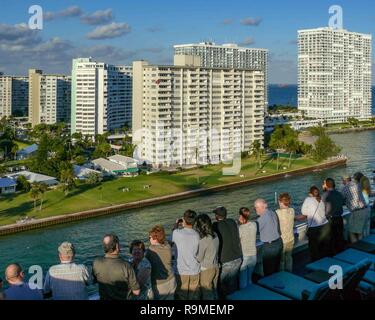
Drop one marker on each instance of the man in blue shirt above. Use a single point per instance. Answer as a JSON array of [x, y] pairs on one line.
[[269, 230], [18, 289]]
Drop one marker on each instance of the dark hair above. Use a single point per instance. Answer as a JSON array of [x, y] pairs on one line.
[[189, 217], [245, 213], [330, 183], [158, 233], [358, 176], [315, 188], [137, 244], [221, 212], [203, 225], [112, 244], [285, 198]]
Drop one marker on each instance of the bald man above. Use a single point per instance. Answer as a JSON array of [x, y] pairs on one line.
[[270, 235], [18, 289], [115, 276]]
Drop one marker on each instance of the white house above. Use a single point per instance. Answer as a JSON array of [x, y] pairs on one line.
[[33, 177], [7, 186], [82, 173], [124, 161], [115, 167]]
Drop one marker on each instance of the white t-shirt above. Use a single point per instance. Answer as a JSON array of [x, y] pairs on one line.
[[314, 211]]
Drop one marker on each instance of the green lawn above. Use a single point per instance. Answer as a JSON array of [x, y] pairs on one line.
[[21, 144], [84, 197]]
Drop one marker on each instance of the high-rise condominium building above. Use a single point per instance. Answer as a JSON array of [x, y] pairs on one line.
[[228, 55], [334, 74], [101, 96], [49, 98], [186, 114], [14, 92]]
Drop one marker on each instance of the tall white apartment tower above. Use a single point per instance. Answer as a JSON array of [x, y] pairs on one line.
[[49, 98], [14, 93], [228, 55], [334, 74], [101, 97], [186, 114]]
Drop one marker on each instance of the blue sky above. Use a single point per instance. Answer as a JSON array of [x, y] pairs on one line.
[[119, 32]]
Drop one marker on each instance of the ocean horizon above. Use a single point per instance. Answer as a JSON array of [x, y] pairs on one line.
[[287, 94]]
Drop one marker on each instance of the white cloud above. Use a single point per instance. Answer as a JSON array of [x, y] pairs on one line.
[[70, 12], [113, 30], [98, 17]]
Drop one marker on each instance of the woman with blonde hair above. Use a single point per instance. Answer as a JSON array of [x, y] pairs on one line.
[[286, 217]]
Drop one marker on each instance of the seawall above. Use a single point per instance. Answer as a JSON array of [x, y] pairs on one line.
[[67, 218]]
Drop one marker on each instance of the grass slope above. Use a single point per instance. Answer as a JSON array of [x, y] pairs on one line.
[[84, 197]]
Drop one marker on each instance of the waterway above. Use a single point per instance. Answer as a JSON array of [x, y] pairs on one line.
[[39, 247]]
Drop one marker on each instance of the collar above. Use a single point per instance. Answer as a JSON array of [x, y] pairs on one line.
[[18, 284], [111, 256]]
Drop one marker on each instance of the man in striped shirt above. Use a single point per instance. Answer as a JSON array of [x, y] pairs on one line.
[[67, 280]]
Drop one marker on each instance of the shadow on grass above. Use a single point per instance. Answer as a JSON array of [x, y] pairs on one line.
[[20, 211]]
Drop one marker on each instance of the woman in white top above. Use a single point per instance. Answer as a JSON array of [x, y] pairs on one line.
[[286, 217], [318, 230]]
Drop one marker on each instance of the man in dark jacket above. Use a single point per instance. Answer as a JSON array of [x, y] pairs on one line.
[[230, 252], [334, 202]]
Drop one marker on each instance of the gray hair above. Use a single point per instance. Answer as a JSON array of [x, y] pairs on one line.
[[259, 202]]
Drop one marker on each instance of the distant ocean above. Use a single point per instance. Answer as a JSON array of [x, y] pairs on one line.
[[287, 94]]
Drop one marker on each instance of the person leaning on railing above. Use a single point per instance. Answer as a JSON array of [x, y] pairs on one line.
[[270, 235], [67, 280], [318, 229], [286, 217], [159, 254]]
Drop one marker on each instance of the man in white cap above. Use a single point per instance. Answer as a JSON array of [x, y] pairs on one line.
[[67, 280]]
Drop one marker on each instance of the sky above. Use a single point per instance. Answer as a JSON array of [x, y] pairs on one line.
[[121, 31]]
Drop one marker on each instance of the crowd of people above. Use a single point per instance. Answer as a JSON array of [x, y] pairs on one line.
[[205, 259]]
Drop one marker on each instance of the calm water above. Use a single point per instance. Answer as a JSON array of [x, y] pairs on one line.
[[39, 247], [287, 95]]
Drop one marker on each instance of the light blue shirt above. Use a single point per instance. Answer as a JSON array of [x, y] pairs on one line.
[[268, 226], [186, 241]]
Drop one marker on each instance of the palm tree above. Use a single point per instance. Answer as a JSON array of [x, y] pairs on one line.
[[258, 152], [292, 146], [42, 188], [67, 179], [35, 193], [15, 149]]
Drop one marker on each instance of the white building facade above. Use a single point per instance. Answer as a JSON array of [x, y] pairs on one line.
[[101, 97], [13, 95], [187, 114], [334, 74], [49, 98], [228, 55]]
